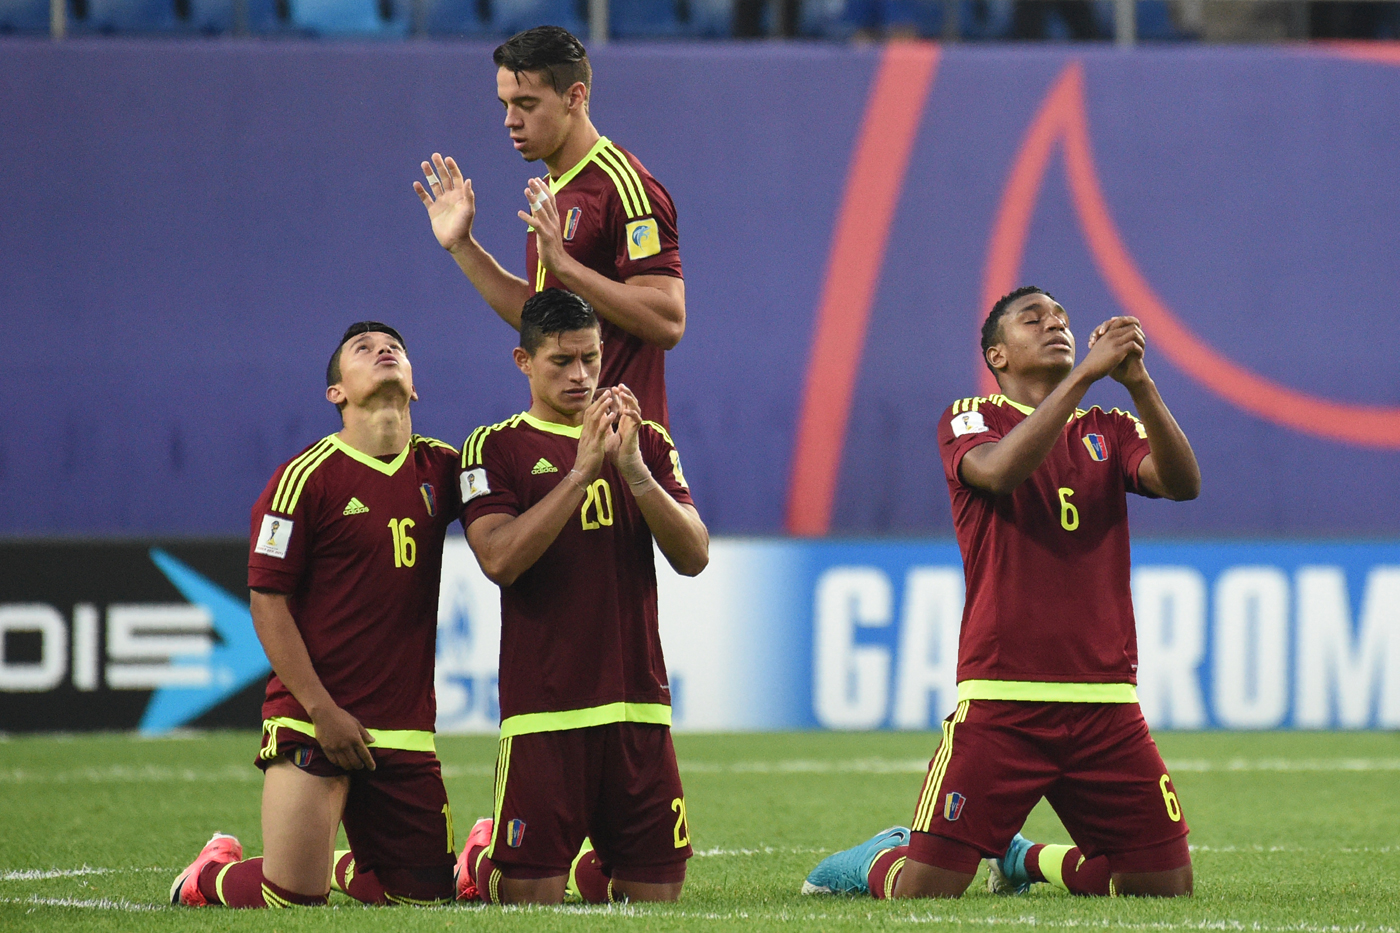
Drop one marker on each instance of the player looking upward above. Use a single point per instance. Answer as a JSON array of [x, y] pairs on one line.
[[344, 569], [600, 225], [1047, 656], [561, 504]]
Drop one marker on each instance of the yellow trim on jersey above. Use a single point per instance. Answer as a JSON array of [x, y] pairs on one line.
[[626, 180], [1039, 692], [526, 723], [892, 875], [472, 447], [502, 773], [631, 173], [550, 427], [660, 430], [294, 476], [556, 183], [407, 740], [928, 800], [374, 463], [219, 882], [431, 442]]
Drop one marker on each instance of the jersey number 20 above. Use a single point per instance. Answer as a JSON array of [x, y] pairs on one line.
[[598, 497]]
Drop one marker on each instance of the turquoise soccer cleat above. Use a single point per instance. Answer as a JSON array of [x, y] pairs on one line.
[[1007, 875], [847, 872]]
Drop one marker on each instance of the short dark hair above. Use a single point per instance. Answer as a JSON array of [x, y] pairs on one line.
[[550, 49], [355, 330], [553, 311], [991, 327]]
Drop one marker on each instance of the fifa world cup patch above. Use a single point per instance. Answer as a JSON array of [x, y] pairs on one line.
[[643, 238], [474, 484], [273, 537], [1097, 447], [969, 422], [515, 833], [953, 806]]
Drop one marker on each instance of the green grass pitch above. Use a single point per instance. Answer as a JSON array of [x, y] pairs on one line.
[[1290, 832]]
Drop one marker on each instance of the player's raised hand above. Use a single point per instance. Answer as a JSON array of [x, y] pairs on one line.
[[597, 432], [345, 742], [1111, 345], [449, 199], [543, 218]]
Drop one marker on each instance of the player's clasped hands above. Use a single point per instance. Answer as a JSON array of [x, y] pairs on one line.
[[1116, 347], [449, 199], [597, 435]]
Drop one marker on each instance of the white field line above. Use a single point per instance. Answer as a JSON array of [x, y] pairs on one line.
[[151, 774], [39, 874], [100, 903]]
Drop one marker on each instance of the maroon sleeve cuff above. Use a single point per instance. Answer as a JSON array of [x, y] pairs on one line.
[[278, 581], [962, 452]]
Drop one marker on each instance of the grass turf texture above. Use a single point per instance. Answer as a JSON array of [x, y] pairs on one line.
[[1290, 832]]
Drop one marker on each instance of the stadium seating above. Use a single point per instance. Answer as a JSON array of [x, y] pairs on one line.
[[108, 16], [658, 19], [24, 16], [361, 18], [466, 18], [512, 16]]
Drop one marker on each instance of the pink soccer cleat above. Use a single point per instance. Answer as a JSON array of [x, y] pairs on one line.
[[220, 849], [478, 839]]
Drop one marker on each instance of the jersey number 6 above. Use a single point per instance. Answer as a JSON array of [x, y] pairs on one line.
[[1069, 515]]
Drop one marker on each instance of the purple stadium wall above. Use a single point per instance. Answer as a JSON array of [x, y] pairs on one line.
[[186, 227]]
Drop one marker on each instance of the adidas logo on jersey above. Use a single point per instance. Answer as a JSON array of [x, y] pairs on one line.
[[355, 507], [544, 466]]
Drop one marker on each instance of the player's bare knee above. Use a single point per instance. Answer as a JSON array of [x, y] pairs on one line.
[[919, 880]]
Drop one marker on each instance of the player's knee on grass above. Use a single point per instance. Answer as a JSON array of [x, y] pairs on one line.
[[1158, 871], [936, 867], [651, 883], [517, 890]]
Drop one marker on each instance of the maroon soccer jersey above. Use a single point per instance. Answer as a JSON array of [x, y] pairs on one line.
[[357, 544], [1047, 566], [618, 221], [579, 640]]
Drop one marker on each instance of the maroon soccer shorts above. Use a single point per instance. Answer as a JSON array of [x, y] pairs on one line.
[[396, 816], [616, 784], [1094, 762]]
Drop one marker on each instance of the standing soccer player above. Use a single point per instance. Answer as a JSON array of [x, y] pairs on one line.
[[561, 504], [1047, 658], [600, 226], [344, 569]]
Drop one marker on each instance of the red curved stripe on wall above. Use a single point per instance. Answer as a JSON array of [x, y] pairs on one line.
[[897, 96], [1064, 117]]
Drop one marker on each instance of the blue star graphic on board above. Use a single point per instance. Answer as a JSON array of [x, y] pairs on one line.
[[234, 664]]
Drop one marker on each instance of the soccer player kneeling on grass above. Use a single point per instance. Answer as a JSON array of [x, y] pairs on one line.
[[561, 504], [345, 567], [1047, 657]]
